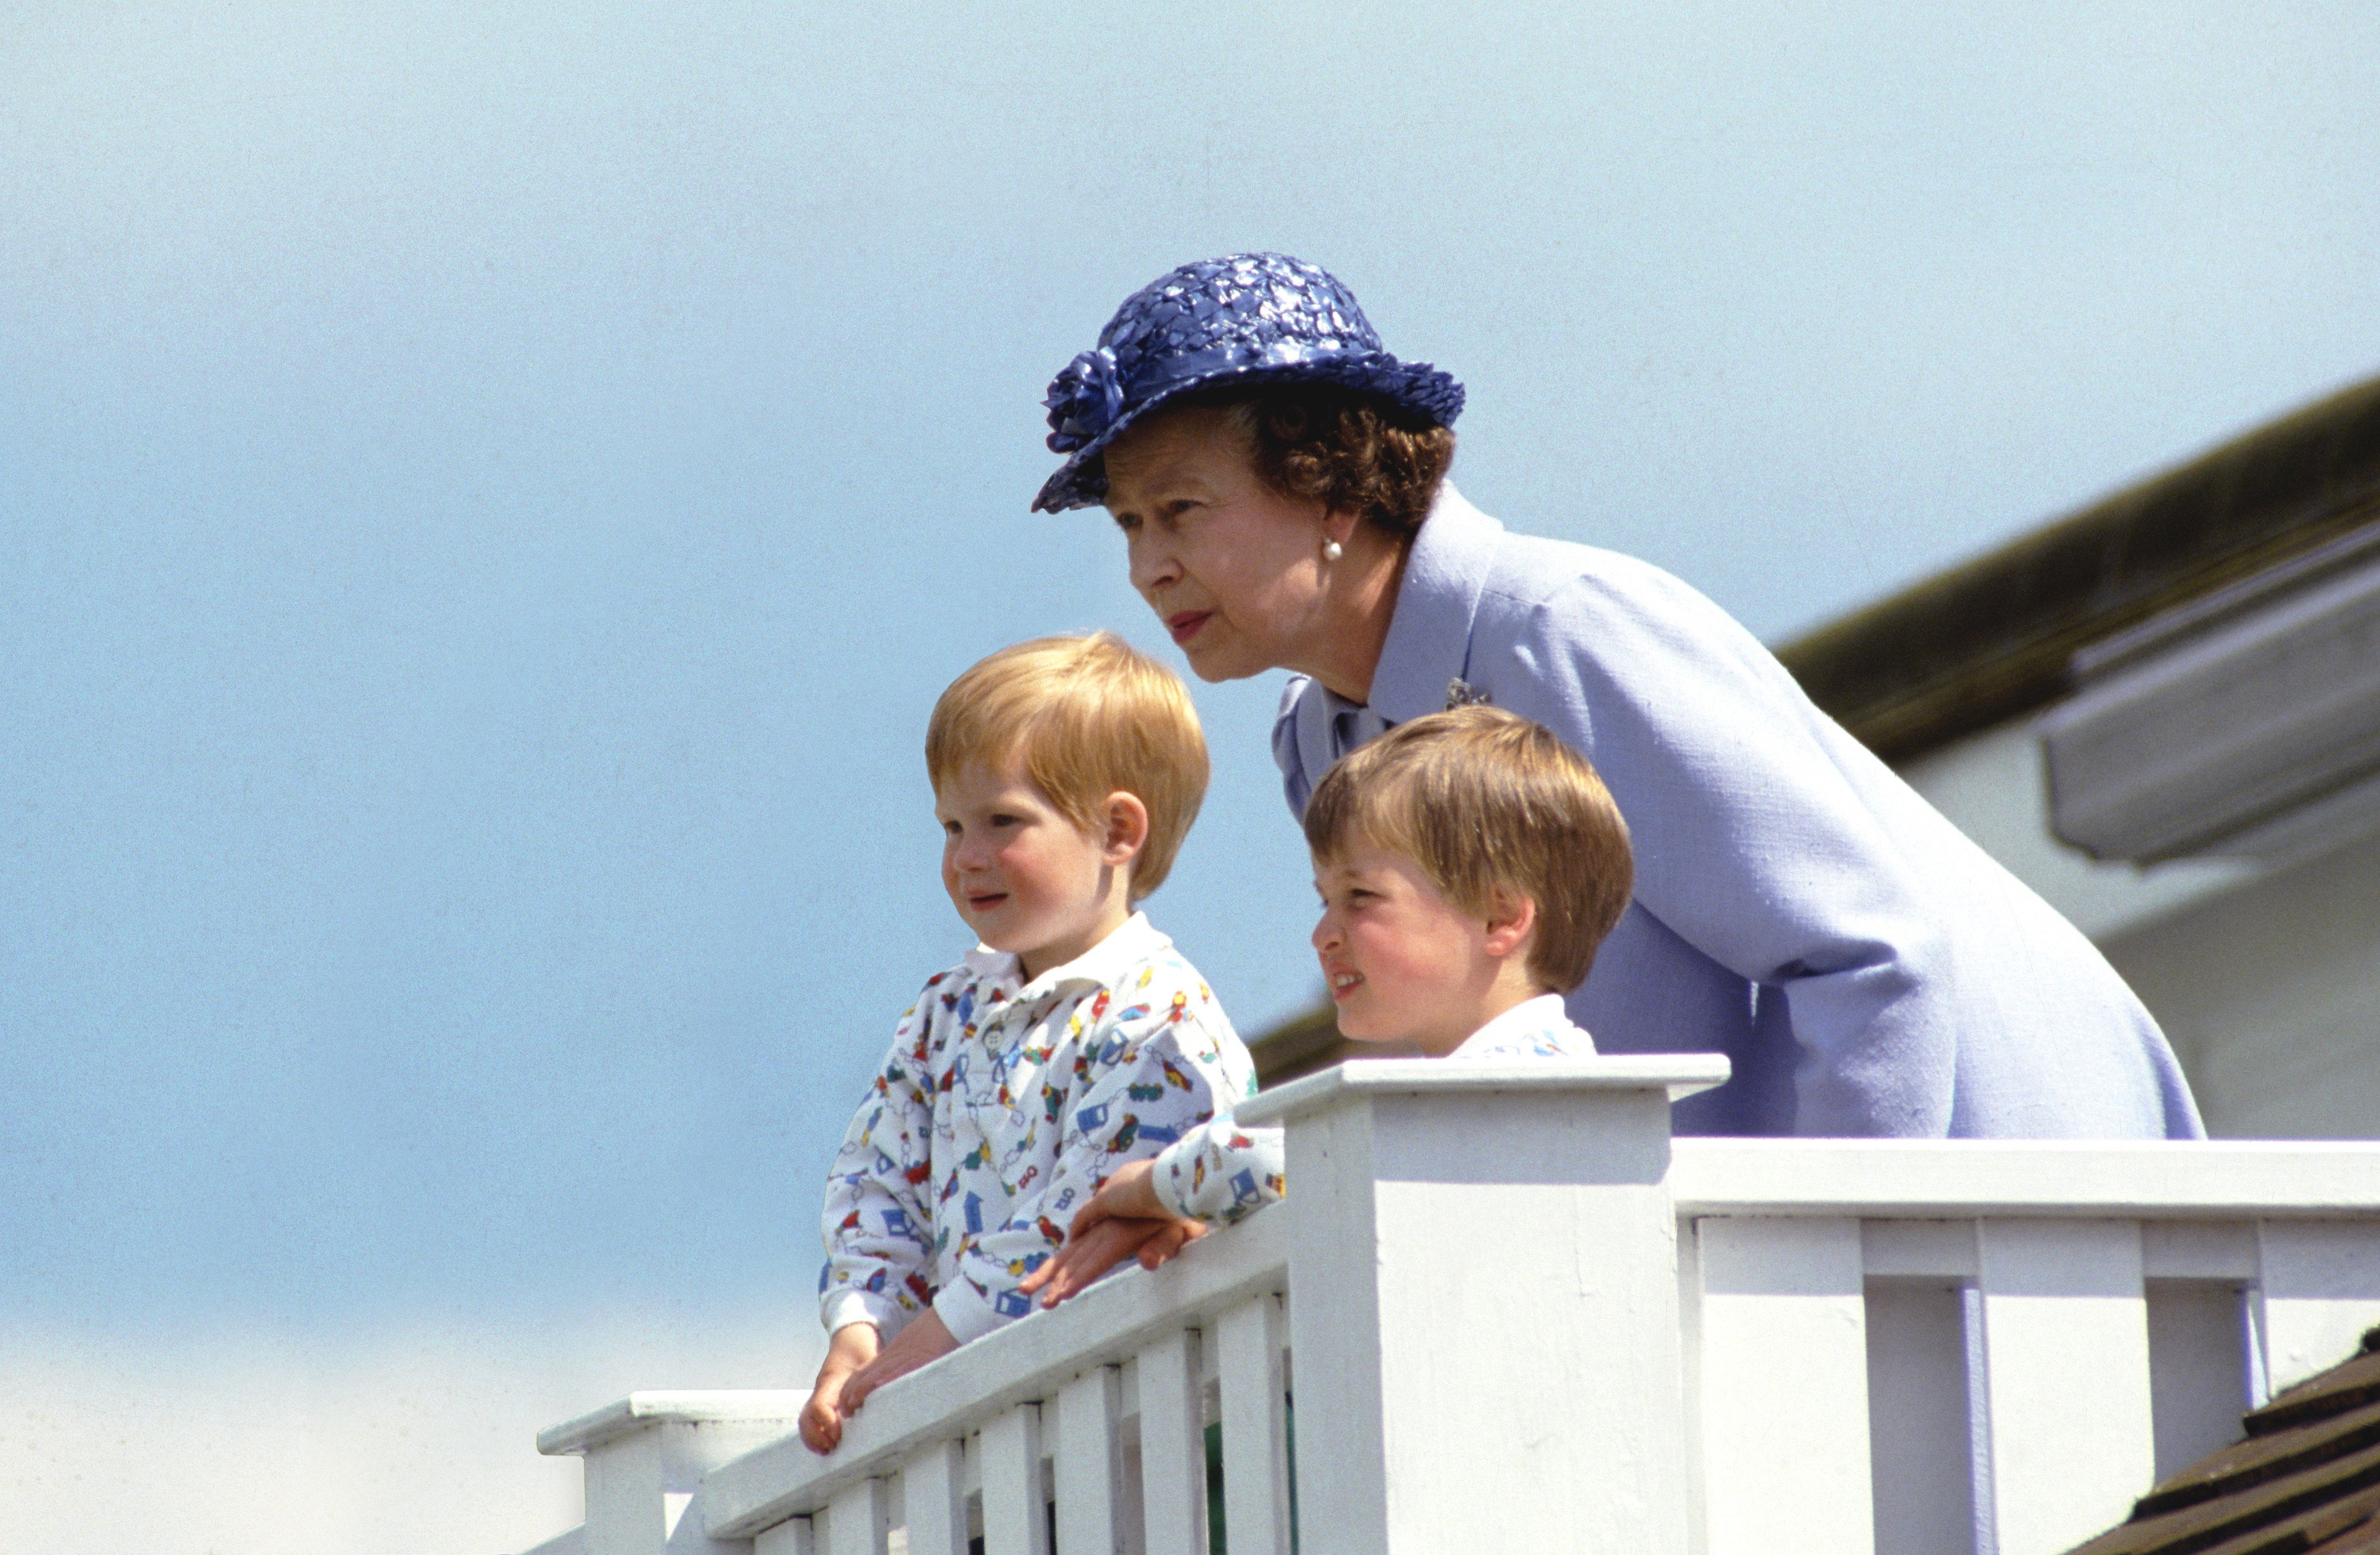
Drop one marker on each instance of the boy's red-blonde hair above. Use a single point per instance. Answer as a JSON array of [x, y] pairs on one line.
[[1478, 798], [1084, 717]]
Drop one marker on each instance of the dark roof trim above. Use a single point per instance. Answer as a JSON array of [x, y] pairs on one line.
[[1985, 642], [2303, 1480], [1309, 1043]]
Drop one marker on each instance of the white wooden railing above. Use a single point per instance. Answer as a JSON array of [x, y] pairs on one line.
[[1507, 1314]]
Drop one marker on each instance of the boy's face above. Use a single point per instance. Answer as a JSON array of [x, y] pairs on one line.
[[1403, 963], [1025, 879]]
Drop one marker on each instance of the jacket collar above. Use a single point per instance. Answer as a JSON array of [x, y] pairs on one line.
[[1134, 942], [1429, 643]]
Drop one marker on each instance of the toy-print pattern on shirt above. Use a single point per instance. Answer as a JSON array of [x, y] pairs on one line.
[[1000, 1109]]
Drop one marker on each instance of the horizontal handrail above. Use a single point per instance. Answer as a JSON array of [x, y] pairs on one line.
[[1025, 1361], [1683, 1075], [2144, 1179]]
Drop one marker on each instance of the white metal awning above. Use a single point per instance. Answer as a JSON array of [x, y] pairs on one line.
[[2244, 723]]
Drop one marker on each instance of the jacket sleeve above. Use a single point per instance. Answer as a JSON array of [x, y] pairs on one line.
[[1150, 1061], [876, 1224], [1753, 844], [1221, 1173]]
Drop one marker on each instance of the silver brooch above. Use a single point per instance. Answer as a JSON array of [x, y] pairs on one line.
[[1459, 695]]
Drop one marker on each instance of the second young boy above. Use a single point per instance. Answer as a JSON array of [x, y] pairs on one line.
[[1469, 864]]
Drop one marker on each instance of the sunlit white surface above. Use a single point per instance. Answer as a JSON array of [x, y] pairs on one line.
[[1994, 787]]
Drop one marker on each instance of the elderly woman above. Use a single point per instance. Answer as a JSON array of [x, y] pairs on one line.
[[1281, 483]]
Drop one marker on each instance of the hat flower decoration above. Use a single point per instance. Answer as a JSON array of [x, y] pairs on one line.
[[1251, 318], [1084, 400]]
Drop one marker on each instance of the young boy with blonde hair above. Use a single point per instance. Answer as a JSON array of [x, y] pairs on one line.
[[1469, 864], [1073, 1041]]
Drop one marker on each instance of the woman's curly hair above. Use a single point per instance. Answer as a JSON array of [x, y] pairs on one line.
[[1356, 451]]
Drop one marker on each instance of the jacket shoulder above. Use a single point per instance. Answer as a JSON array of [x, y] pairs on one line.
[[1555, 591], [1530, 572]]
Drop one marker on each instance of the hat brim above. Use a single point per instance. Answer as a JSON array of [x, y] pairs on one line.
[[1082, 480]]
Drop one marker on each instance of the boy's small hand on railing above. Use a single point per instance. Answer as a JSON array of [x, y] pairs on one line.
[[1086, 1256], [856, 1366], [923, 1340], [1130, 1195], [1125, 1218], [1171, 1236], [852, 1347]]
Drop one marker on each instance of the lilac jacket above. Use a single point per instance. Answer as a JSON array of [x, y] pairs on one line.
[[1867, 969]]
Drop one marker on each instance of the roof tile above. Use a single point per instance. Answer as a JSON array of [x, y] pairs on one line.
[[2305, 1480]]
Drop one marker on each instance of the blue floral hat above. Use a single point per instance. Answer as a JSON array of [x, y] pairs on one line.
[[1243, 317]]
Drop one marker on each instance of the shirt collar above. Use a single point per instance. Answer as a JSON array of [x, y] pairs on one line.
[[1133, 942], [1429, 634], [1540, 1013]]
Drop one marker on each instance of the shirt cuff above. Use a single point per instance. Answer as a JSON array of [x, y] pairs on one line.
[[965, 1311], [1172, 1165], [843, 1308]]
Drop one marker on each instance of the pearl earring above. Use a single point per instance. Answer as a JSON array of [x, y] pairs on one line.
[[1332, 551]]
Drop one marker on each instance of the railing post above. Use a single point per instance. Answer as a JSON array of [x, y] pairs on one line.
[[1484, 1305], [644, 1457]]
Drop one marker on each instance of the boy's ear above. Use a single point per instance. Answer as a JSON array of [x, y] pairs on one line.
[[1512, 922], [1127, 829]]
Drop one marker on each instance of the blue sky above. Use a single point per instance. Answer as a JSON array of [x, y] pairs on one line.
[[489, 495]]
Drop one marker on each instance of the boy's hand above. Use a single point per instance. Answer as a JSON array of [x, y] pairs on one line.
[[852, 1347], [1088, 1255], [1123, 1218], [923, 1340], [1130, 1195], [1171, 1238]]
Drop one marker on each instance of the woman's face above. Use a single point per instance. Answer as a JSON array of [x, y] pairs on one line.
[[1233, 568]]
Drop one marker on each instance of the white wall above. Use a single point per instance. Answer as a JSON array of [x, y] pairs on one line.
[[1994, 787], [2267, 981], [2271, 995]]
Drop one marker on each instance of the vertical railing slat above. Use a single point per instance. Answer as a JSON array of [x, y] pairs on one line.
[[1783, 1327], [795, 1535], [1088, 1461], [855, 1521], [2319, 1290], [2066, 1365], [1015, 1519], [1690, 1384], [1173, 1446], [2198, 1368], [933, 1499], [1921, 1462], [1256, 1456]]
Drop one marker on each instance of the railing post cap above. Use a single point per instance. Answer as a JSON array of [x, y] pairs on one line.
[[1680, 1075], [702, 1407]]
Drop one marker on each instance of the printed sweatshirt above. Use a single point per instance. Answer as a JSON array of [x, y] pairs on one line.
[[1001, 1108]]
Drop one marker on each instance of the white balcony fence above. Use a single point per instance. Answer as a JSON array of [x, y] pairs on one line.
[[1502, 1311]]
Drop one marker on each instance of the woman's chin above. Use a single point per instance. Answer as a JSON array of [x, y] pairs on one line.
[[1217, 662]]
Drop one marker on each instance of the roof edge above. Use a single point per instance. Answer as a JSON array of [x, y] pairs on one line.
[[1991, 639]]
